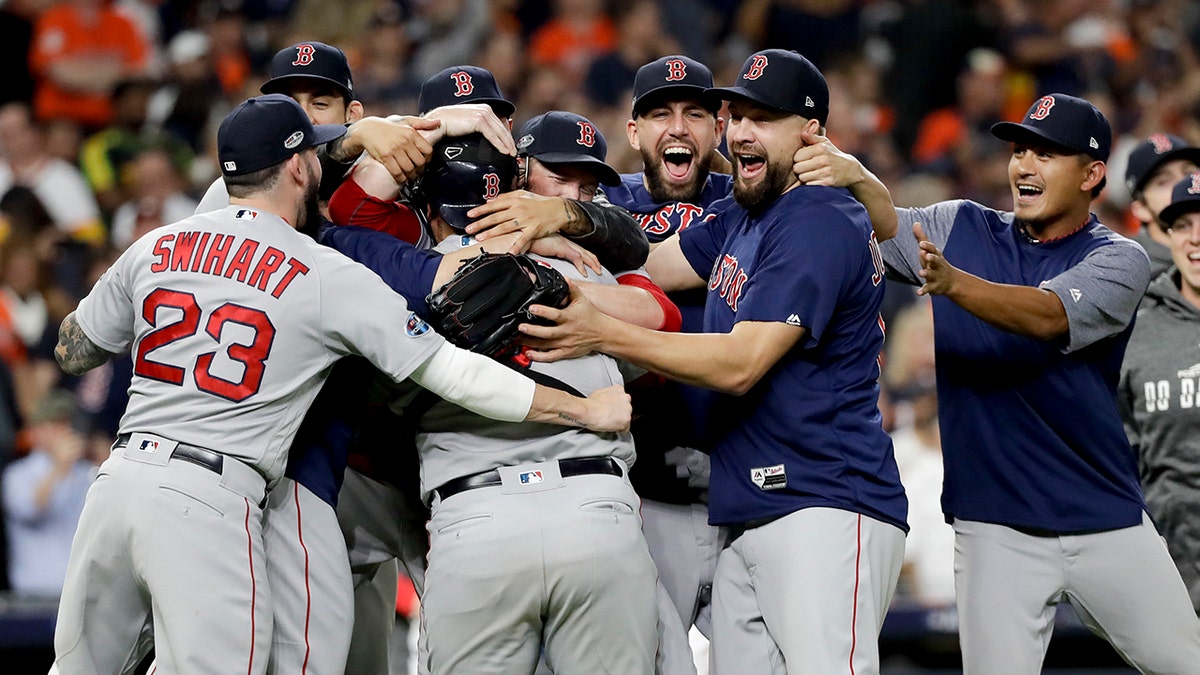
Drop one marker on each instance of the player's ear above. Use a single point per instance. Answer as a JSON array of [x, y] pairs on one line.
[[522, 172], [1095, 173], [354, 112], [631, 132], [720, 126]]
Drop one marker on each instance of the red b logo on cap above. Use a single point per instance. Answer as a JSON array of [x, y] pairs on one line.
[[676, 70], [304, 55], [757, 64], [491, 186], [462, 83], [1161, 143], [1042, 111], [587, 134]]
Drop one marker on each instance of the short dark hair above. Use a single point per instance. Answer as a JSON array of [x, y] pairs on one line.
[[247, 184]]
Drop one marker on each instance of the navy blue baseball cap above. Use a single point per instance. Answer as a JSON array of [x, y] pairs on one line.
[[1064, 122], [673, 75], [463, 84], [312, 61], [782, 80], [266, 130], [560, 137], [1153, 152], [1185, 198]]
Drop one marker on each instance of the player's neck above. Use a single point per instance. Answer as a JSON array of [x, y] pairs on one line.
[[265, 202], [1058, 228]]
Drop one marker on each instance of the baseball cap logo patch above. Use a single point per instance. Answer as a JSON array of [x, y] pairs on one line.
[[294, 140], [587, 134], [463, 86], [452, 152], [1194, 188], [1161, 143], [230, 166], [491, 186], [525, 141], [808, 102], [304, 55], [1093, 143], [757, 64], [676, 70], [1042, 111]]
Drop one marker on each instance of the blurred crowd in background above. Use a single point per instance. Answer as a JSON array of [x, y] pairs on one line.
[[109, 110]]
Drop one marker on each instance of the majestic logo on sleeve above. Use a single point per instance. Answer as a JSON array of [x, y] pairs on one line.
[[462, 83], [676, 70], [1042, 111], [757, 65], [587, 134], [728, 280], [304, 55]]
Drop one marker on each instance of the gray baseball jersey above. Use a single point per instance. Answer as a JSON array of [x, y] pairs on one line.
[[541, 559], [234, 320]]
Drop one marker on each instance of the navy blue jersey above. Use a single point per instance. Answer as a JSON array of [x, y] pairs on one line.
[[665, 410], [661, 220], [320, 451], [1031, 431], [809, 433]]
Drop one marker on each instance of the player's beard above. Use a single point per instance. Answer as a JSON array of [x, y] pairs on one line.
[[310, 215], [765, 190], [660, 186]]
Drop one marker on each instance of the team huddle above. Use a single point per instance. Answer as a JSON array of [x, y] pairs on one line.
[[586, 411]]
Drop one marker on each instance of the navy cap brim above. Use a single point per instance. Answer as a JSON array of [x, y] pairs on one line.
[[280, 85], [607, 174], [1012, 132], [744, 94], [1191, 154], [323, 133], [502, 107], [666, 91], [1180, 208]]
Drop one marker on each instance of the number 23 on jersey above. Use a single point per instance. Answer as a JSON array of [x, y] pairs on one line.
[[252, 356]]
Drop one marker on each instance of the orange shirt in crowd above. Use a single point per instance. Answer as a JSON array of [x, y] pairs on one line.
[[557, 43], [62, 33]]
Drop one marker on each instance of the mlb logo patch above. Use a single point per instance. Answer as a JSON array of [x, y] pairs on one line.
[[769, 477], [531, 477], [148, 446], [415, 326], [245, 214]]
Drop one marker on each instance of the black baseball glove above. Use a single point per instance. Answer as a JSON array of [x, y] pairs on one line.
[[480, 308]]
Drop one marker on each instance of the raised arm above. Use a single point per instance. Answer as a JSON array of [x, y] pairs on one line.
[[606, 230], [820, 162]]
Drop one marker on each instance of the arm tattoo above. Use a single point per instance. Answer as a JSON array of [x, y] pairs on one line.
[[75, 353], [578, 223], [571, 419]]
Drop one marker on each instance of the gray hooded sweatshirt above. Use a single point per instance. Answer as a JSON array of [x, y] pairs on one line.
[[1159, 381]]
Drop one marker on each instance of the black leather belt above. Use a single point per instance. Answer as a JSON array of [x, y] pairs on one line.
[[213, 461], [567, 467]]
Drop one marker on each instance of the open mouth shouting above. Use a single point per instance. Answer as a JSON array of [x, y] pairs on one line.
[[749, 165], [1028, 194], [678, 161]]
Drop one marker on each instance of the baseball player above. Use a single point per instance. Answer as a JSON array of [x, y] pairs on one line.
[[309, 562], [170, 536], [489, 619], [318, 77], [1033, 310], [803, 475], [1154, 167], [1158, 386]]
